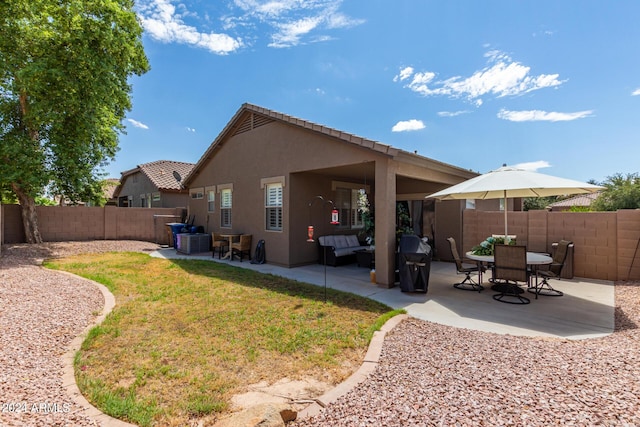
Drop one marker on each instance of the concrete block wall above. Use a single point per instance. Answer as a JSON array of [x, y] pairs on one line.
[[628, 236], [605, 242], [78, 223], [478, 225], [60, 223]]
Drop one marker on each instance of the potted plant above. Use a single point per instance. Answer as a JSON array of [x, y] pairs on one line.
[[368, 218]]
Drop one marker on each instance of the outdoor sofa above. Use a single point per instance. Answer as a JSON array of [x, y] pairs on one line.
[[338, 249]]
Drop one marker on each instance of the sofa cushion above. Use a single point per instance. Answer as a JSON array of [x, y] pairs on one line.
[[341, 241], [352, 240], [344, 251], [327, 240]]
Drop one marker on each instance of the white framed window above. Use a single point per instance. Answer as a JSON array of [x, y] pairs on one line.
[[211, 200], [226, 204], [196, 193], [273, 206], [356, 214], [156, 197], [347, 204]]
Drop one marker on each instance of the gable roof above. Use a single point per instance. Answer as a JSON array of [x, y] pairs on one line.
[[579, 200], [242, 122], [167, 175], [109, 187]]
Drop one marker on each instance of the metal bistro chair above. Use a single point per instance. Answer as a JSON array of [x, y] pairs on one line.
[[218, 242], [510, 267], [555, 268], [468, 284], [242, 247]]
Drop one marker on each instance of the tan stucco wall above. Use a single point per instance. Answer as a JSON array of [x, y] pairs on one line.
[[275, 149]]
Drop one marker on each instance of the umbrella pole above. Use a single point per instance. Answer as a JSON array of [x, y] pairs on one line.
[[505, 216]]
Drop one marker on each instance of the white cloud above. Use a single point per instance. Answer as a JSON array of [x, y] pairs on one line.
[[408, 125], [161, 22], [501, 77], [138, 124], [293, 20], [452, 113], [289, 33], [404, 74], [537, 115], [533, 166], [190, 129], [636, 92]]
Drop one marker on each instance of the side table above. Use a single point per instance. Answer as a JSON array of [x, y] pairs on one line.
[[366, 258]]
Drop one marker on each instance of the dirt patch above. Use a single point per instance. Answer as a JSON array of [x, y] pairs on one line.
[[297, 393]]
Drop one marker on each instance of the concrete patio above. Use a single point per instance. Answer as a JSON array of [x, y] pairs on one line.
[[585, 311]]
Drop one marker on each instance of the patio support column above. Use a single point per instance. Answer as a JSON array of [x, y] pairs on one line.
[[385, 218]]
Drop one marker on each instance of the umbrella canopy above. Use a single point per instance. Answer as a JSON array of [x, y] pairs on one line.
[[507, 182]]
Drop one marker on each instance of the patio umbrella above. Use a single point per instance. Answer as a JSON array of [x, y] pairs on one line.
[[507, 182]]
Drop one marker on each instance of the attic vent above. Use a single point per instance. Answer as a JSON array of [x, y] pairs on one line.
[[252, 121], [259, 120]]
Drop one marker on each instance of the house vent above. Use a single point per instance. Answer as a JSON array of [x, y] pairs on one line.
[[252, 121], [259, 120]]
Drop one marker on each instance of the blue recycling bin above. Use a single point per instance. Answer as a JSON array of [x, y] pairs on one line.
[[176, 227]]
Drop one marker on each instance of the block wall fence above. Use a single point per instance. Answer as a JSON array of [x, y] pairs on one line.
[[606, 243], [77, 223]]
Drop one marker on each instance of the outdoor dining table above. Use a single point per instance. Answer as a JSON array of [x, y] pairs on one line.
[[230, 237], [534, 259]]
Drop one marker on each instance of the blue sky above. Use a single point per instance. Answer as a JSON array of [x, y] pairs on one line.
[[554, 85]]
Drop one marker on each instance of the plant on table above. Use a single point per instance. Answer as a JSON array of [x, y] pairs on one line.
[[486, 246]]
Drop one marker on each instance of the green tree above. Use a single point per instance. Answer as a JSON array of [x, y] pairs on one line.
[[621, 192], [538, 203], [64, 90]]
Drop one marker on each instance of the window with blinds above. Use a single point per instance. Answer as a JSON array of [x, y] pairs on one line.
[[273, 206], [347, 204], [211, 200], [225, 207]]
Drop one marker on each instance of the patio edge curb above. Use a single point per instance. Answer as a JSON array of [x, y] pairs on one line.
[[369, 364], [68, 373]]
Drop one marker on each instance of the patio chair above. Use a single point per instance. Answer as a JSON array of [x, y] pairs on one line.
[[242, 247], [218, 242], [555, 268], [468, 284], [510, 268]]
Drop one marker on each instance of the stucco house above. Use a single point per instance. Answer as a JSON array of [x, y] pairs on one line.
[[263, 173], [154, 185]]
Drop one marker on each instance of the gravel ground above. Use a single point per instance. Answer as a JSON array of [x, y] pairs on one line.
[[41, 311], [428, 374], [434, 375]]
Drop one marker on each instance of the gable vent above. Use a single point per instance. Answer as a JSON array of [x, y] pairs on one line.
[[252, 121]]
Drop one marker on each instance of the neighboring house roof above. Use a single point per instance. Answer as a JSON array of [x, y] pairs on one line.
[[579, 200], [167, 175], [109, 188], [239, 123]]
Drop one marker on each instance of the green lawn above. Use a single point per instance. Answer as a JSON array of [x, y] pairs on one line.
[[187, 335]]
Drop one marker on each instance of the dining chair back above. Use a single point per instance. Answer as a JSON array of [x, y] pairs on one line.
[[218, 242], [468, 284], [555, 268], [510, 269], [242, 247]]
